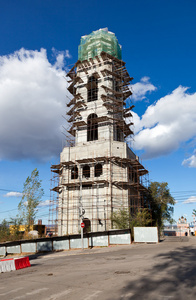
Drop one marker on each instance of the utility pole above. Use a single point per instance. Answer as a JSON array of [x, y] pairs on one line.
[[81, 212]]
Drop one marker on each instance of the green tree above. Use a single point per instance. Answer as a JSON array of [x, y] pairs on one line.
[[15, 223], [31, 196], [122, 219], [161, 203], [194, 212], [142, 217], [4, 231]]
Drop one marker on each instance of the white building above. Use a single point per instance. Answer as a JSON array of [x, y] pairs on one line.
[[100, 173]]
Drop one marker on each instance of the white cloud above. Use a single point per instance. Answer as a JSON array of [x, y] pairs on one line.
[[190, 200], [32, 102], [191, 161], [44, 203], [60, 57], [140, 89], [67, 54], [13, 194], [166, 124]]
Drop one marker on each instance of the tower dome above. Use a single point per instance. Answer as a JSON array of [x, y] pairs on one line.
[[100, 40]]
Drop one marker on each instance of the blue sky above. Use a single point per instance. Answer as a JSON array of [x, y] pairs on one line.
[[39, 41]]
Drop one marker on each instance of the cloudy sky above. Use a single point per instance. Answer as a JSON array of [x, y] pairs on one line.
[[39, 43]]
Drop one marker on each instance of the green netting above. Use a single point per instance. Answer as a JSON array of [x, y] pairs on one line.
[[98, 41]]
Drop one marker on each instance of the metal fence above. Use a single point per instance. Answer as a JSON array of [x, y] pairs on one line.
[[105, 238]]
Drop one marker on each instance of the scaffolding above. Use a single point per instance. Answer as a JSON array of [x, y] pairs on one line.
[[53, 204], [104, 183]]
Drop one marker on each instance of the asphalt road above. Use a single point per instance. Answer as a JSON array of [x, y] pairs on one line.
[[143, 271]]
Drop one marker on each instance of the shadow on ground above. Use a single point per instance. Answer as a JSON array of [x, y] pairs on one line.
[[40, 254], [173, 278]]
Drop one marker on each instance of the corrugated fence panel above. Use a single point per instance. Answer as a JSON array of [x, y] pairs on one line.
[[76, 243], [61, 245], [44, 246], [120, 239], [145, 235], [98, 241], [13, 249], [2, 251], [28, 247]]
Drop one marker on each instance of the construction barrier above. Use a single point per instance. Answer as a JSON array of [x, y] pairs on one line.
[[12, 264], [21, 263], [7, 265]]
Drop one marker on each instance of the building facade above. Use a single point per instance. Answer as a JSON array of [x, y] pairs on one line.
[[99, 173]]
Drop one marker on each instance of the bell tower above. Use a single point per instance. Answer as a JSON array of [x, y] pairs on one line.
[[100, 173]]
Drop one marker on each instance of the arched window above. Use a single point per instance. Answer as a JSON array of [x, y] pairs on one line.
[[92, 128], [74, 172], [98, 170], [87, 227], [92, 89], [86, 171]]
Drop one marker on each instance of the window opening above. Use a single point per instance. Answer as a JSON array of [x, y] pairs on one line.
[[117, 133], [86, 171], [92, 128], [87, 223], [98, 170], [133, 175], [130, 173], [92, 89], [74, 172], [86, 186]]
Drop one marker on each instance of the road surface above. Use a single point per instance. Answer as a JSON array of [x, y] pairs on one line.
[[142, 271]]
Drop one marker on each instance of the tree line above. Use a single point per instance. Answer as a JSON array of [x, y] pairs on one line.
[[27, 209], [158, 208]]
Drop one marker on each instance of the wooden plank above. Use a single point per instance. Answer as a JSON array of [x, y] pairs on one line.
[[119, 102], [103, 53]]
